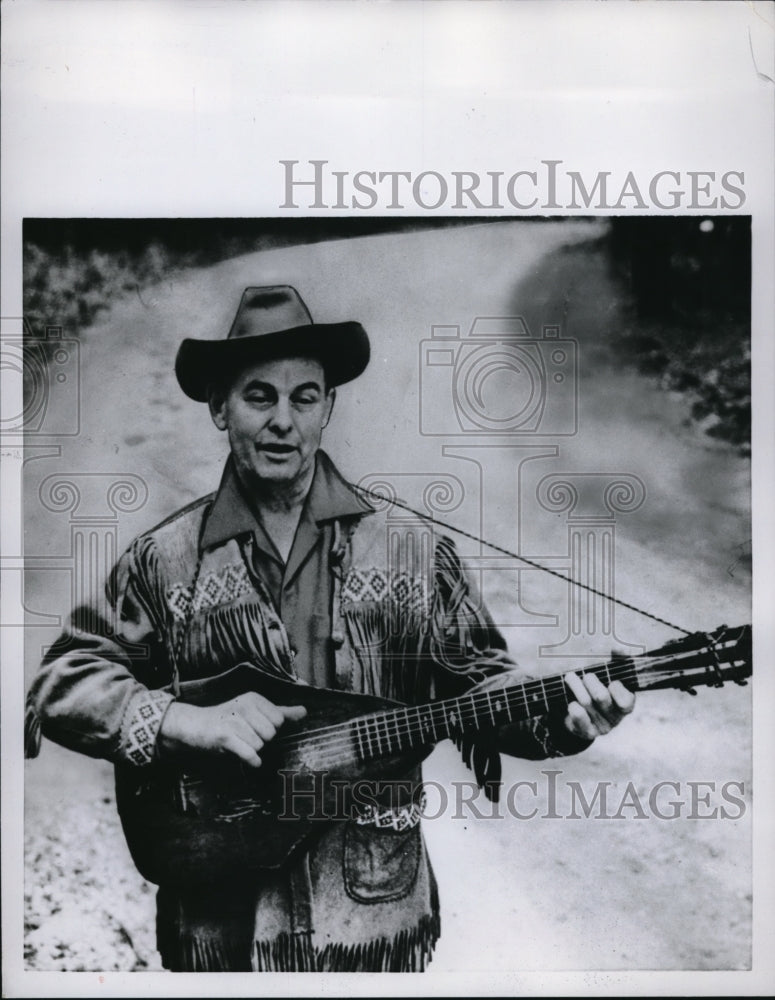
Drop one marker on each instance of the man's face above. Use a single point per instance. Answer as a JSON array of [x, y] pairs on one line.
[[275, 412]]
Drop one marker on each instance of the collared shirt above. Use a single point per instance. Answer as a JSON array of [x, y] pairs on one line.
[[301, 589]]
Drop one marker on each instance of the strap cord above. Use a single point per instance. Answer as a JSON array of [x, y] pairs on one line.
[[529, 562]]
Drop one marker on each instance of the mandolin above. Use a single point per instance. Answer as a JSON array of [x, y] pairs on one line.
[[208, 820]]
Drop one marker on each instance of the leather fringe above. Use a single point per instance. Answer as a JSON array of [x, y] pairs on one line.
[[485, 761], [228, 634], [408, 951], [143, 566], [385, 641], [460, 633], [202, 954], [204, 934], [286, 953], [32, 735]]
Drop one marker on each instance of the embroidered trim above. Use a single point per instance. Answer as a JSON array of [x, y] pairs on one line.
[[402, 818], [408, 592], [214, 588], [544, 738], [141, 726]]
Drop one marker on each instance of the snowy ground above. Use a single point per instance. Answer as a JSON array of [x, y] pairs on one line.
[[546, 893]]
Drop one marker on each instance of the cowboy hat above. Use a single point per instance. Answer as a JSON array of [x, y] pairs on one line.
[[272, 322]]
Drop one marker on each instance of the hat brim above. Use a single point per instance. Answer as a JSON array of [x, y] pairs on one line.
[[341, 348]]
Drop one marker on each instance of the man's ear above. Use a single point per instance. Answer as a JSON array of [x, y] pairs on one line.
[[216, 400], [330, 400]]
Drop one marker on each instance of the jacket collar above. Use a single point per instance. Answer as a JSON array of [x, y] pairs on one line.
[[232, 512]]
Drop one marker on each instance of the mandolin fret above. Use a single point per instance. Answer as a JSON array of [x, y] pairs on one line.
[[536, 701], [490, 707], [452, 718], [502, 706], [408, 727], [439, 716], [358, 730], [385, 733], [375, 735], [394, 733], [398, 730]]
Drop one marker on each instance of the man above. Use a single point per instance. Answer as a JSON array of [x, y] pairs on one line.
[[288, 567]]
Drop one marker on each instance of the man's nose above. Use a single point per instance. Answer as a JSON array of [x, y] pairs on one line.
[[282, 418]]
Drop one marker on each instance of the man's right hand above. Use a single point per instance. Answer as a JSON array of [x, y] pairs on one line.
[[240, 727]]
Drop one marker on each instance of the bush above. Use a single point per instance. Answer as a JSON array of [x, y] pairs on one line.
[[70, 288]]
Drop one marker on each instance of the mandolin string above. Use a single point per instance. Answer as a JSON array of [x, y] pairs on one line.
[[653, 660], [389, 726], [533, 680], [464, 709], [481, 697], [333, 747]]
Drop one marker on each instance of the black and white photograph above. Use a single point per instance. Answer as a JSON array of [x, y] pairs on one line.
[[387, 571], [573, 396]]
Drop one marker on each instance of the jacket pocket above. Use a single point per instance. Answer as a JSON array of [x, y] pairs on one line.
[[380, 865]]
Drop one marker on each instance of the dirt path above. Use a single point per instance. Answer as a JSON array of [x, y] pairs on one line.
[[547, 893]]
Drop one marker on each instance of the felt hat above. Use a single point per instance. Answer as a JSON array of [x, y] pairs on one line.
[[272, 322]]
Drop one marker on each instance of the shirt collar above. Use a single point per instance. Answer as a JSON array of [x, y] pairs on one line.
[[231, 514]]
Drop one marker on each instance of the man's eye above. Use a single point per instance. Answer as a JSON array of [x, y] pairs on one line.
[[307, 400], [258, 398]]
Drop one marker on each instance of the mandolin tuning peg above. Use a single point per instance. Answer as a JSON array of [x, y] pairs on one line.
[[691, 691], [741, 684]]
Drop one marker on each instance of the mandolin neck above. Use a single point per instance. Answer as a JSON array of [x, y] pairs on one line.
[[403, 729], [681, 664]]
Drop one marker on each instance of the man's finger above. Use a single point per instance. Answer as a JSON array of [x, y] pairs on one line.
[[277, 714], [256, 702], [601, 697], [578, 689], [254, 719], [597, 719], [624, 698], [233, 744], [292, 712], [245, 730], [579, 722]]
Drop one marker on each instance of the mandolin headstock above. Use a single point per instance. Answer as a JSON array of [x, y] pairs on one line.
[[699, 660]]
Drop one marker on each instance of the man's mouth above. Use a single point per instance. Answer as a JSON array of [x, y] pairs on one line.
[[276, 450]]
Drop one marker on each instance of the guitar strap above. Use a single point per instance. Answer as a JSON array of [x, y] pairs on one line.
[[513, 555]]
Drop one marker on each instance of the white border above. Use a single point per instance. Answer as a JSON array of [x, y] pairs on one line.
[[184, 109]]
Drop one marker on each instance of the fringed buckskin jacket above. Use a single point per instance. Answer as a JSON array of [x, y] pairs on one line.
[[381, 606]]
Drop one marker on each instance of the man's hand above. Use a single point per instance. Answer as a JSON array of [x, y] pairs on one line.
[[597, 708], [240, 727]]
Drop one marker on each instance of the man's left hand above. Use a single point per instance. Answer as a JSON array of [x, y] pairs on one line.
[[597, 708]]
